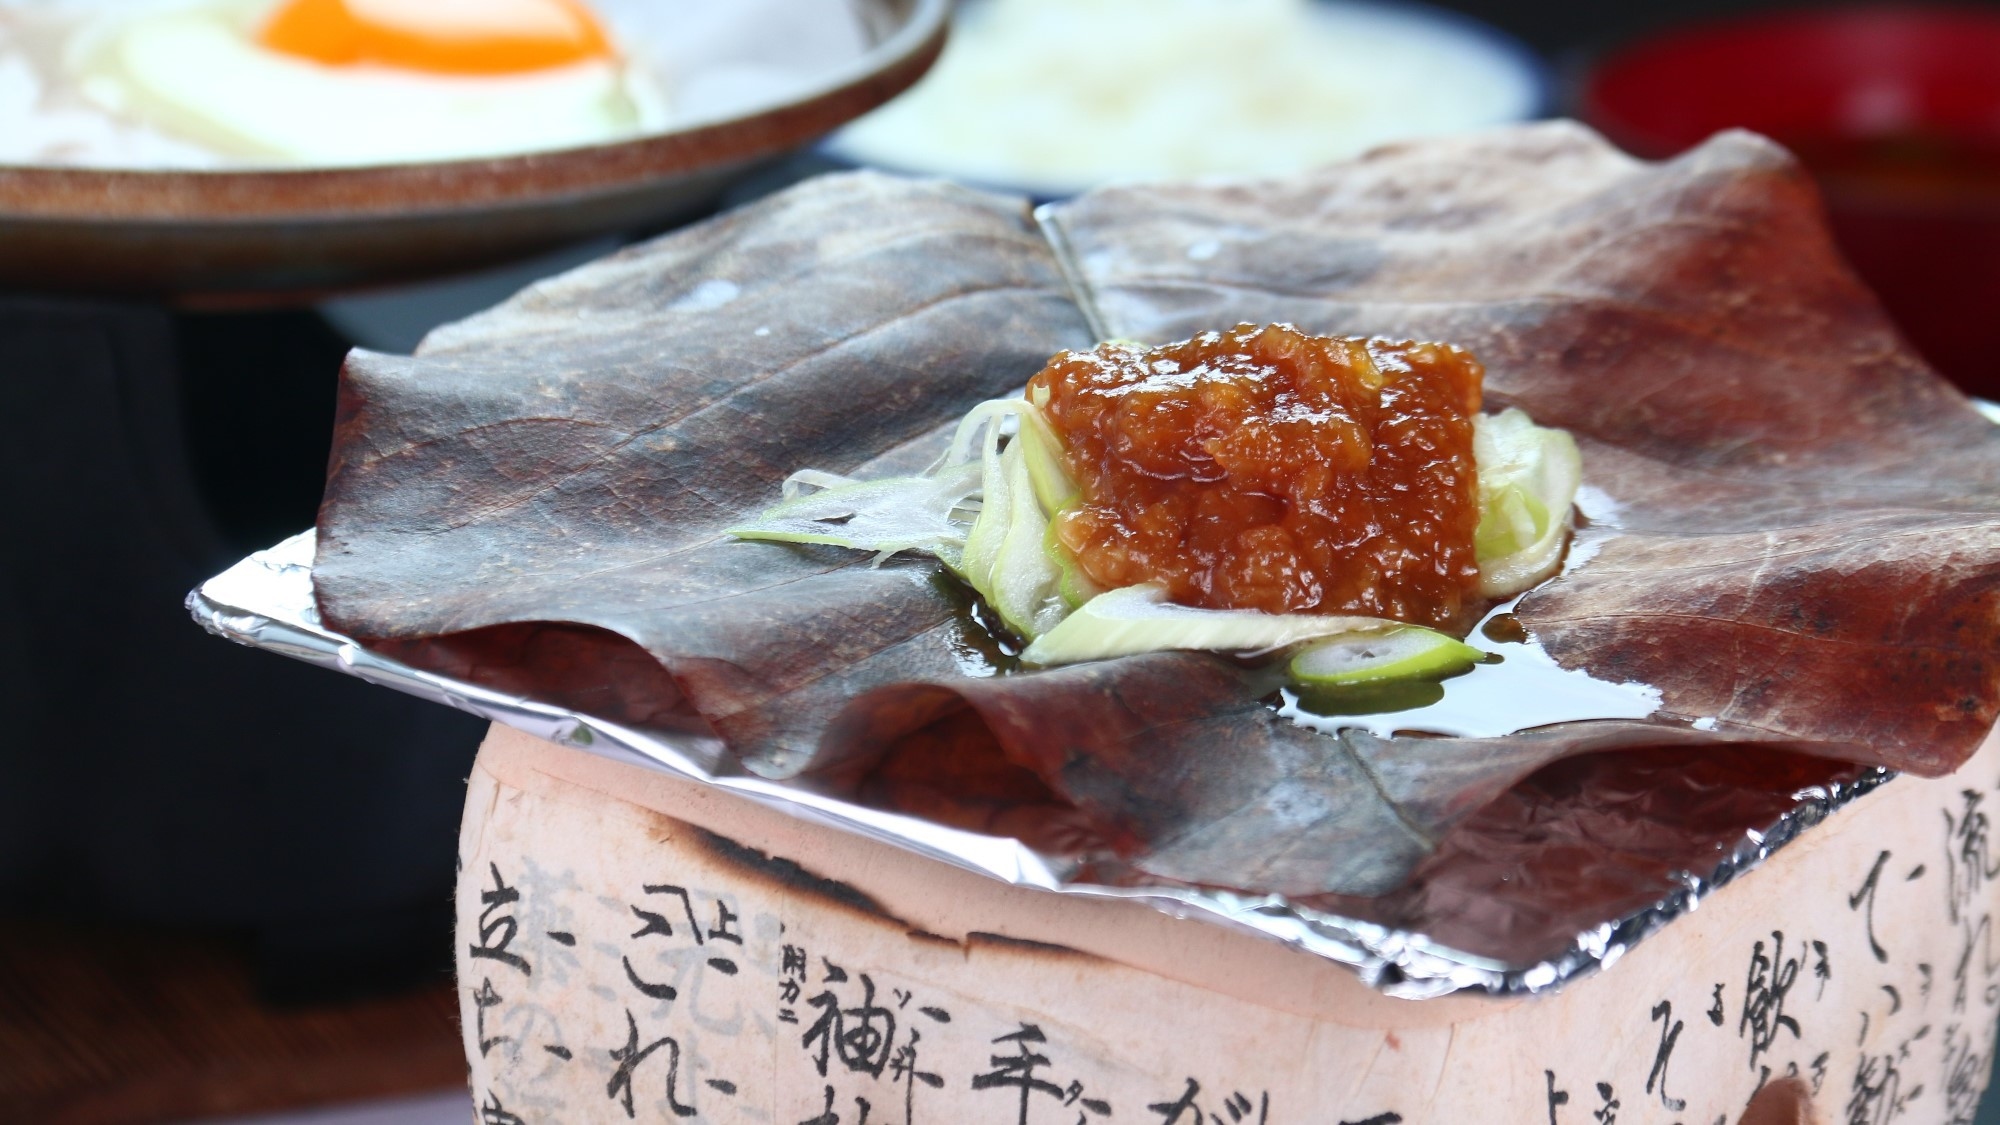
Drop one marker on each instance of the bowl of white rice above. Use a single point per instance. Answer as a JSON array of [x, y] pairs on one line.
[[1055, 96]]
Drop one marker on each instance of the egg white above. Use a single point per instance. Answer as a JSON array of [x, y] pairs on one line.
[[197, 72]]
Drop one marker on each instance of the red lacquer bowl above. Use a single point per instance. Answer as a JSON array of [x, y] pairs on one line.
[[1896, 110]]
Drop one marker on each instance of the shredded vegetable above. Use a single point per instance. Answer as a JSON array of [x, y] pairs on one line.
[[987, 510]]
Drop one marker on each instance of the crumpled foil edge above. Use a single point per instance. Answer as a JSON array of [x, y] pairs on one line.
[[266, 602]]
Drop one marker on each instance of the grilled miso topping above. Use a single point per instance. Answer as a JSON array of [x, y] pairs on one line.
[[1264, 468]]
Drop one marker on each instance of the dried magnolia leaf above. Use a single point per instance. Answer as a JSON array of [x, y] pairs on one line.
[[574, 455], [1805, 549], [1807, 539]]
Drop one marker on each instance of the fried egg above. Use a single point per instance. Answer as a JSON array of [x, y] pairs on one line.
[[353, 82]]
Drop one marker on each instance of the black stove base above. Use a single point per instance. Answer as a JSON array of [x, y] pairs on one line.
[[149, 771]]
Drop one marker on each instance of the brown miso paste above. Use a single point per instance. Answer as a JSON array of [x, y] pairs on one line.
[[1263, 468]]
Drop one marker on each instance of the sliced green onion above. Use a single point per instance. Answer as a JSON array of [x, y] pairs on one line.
[[1139, 619], [1042, 451], [1528, 477], [984, 510], [1405, 652], [1006, 557], [1076, 587], [928, 513]]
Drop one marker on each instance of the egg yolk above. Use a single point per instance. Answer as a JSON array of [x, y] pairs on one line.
[[438, 36]]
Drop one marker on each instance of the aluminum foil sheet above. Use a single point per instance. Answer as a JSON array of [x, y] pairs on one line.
[[1424, 944]]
